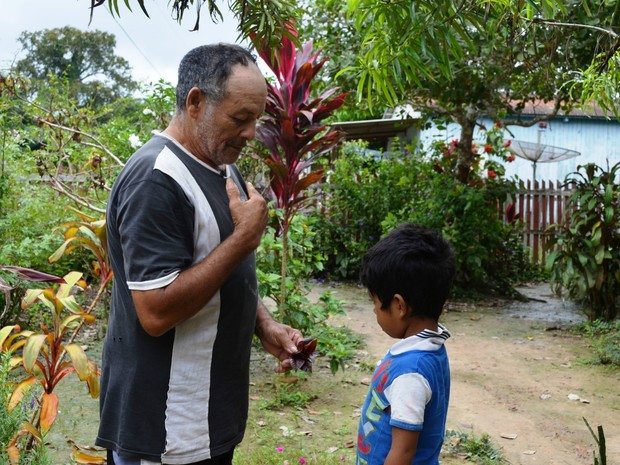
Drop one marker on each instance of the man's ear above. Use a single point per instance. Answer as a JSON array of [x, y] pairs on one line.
[[400, 306], [193, 102]]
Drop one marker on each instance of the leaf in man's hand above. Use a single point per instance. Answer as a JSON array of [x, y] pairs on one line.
[[306, 355]]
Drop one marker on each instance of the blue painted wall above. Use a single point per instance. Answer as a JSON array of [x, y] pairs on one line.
[[597, 140]]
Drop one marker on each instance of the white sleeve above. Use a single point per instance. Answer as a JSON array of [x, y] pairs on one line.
[[408, 395]]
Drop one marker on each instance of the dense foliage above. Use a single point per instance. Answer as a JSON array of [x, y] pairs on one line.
[[410, 186], [586, 262]]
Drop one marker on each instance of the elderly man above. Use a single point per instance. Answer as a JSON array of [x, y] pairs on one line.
[[182, 230]]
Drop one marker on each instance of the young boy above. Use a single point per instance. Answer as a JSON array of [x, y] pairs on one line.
[[408, 274]]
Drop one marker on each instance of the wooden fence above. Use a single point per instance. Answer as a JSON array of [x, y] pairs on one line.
[[539, 206]]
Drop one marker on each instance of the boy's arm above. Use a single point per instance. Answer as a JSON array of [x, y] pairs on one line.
[[404, 445]]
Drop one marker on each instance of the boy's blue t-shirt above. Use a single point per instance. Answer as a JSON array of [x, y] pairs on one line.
[[410, 389]]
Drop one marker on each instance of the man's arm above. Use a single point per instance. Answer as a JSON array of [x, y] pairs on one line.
[[404, 446], [160, 310], [278, 339]]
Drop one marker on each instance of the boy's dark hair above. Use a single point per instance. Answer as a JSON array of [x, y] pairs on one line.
[[415, 262]]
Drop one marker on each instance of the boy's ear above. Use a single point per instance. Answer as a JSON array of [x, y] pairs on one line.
[[400, 306]]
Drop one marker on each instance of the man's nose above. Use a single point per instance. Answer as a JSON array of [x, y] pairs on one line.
[[248, 131]]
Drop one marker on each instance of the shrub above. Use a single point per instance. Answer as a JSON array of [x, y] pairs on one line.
[[366, 196], [309, 318], [360, 189], [586, 259]]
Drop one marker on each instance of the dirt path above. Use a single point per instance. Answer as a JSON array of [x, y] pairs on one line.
[[513, 369]]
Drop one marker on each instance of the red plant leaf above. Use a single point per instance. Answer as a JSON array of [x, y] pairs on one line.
[[306, 355], [28, 274]]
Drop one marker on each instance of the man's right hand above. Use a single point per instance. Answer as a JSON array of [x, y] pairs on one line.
[[250, 216]]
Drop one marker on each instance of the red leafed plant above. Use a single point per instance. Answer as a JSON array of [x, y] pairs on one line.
[[293, 131]]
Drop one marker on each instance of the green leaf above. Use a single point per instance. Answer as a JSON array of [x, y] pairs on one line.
[[609, 213], [600, 254]]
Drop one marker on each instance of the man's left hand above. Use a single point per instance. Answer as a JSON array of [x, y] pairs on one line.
[[279, 340]]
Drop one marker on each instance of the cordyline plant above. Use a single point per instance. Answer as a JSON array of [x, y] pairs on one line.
[[293, 133], [51, 354], [47, 357]]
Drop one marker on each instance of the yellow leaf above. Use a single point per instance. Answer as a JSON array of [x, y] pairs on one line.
[[30, 428], [49, 411], [4, 334], [81, 457], [58, 253], [79, 359], [71, 231], [71, 279], [30, 297], [19, 391], [31, 350], [93, 379]]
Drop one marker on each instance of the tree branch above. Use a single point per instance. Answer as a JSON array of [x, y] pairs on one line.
[[559, 23], [97, 144]]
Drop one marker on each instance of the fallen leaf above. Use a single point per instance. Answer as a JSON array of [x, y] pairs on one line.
[[545, 396], [509, 435], [573, 397], [331, 450], [365, 381], [529, 452], [584, 401]]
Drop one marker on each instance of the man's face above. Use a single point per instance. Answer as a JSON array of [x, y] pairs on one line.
[[225, 128]]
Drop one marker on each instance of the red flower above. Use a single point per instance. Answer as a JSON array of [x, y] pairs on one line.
[[510, 158], [488, 148], [507, 143], [491, 173]]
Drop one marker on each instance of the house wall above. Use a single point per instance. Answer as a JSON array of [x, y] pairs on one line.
[[596, 139]]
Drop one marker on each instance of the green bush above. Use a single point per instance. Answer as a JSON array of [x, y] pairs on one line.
[[586, 259], [605, 336], [480, 450], [366, 196], [310, 318], [358, 191]]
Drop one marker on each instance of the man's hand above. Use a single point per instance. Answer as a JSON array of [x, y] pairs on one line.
[[250, 217], [279, 340]]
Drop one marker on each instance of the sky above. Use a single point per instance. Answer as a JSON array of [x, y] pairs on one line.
[[153, 47]]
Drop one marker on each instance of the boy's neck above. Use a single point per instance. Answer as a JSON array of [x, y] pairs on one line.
[[417, 325]]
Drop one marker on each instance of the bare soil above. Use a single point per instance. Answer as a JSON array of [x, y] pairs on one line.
[[519, 375], [514, 366]]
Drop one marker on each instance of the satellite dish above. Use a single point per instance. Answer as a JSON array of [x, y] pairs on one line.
[[540, 153]]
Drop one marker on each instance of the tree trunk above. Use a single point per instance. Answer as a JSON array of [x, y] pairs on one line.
[[464, 148]]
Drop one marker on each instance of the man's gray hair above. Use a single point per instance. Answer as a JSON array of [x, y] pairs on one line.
[[208, 67]]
